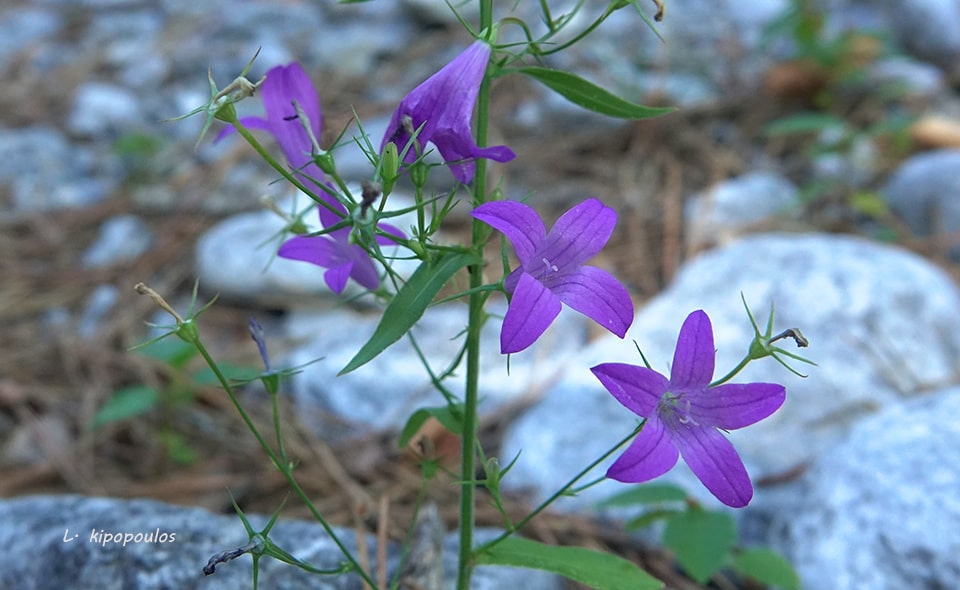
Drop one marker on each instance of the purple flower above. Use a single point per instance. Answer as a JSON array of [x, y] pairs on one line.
[[551, 270], [683, 415], [334, 252], [284, 86], [443, 104]]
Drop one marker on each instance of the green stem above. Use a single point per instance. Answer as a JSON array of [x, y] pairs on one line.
[[479, 236], [561, 492], [284, 468], [746, 360]]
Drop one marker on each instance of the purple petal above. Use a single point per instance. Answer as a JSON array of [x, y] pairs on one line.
[[521, 224], [442, 107], [650, 455], [459, 151], [596, 294], [393, 231], [532, 310], [364, 271], [694, 356], [715, 462], [319, 250], [248, 122], [638, 388], [283, 86], [336, 276], [735, 405], [579, 234]]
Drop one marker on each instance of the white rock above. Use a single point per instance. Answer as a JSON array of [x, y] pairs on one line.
[[881, 510]]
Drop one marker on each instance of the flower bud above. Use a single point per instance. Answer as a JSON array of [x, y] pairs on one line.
[[389, 167], [325, 162], [419, 172]]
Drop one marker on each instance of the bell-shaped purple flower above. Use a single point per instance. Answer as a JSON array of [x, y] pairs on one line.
[[552, 270], [443, 104], [284, 87], [684, 415]]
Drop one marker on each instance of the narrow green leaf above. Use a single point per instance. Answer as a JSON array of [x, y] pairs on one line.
[[648, 518], [590, 96], [767, 566], [702, 541], [651, 493], [170, 351], [443, 414], [603, 571], [804, 123], [127, 403], [409, 304]]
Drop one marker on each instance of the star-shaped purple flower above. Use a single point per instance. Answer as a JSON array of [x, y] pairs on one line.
[[443, 104], [334, 252], [552, 270], [683, 415], [284, 87]]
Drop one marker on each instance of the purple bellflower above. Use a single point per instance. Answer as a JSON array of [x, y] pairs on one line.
[[443, 104], [285, 86], [552, 272], [683, 415]]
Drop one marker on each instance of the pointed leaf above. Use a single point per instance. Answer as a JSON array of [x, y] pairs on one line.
[[171, 351], [653, 493], [648, 518], [590, 96], [444, 416], [127, 403], [767, 566], [409, 304], [603, 571], [702, 541]]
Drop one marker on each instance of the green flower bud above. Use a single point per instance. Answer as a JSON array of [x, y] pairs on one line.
[[389, 167], [325, 162], [419, 173]]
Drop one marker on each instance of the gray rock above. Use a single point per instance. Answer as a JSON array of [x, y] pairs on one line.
[[237, 258], [98, 305], [731, 207], [924, 190], [914, 78], [383, 393], [103, 109], [930, 29], [45, 172], [71, 546], [883, 324], [880, 510], [24, 27], [122, 238]]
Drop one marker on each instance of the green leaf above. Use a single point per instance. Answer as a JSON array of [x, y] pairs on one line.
[[702, 541], [170, 351], [804, 123], [127, 403], [652, 493], [648, 518], [590, 96], [409, 304], [603, 571], [768, 567], [450, 420]]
